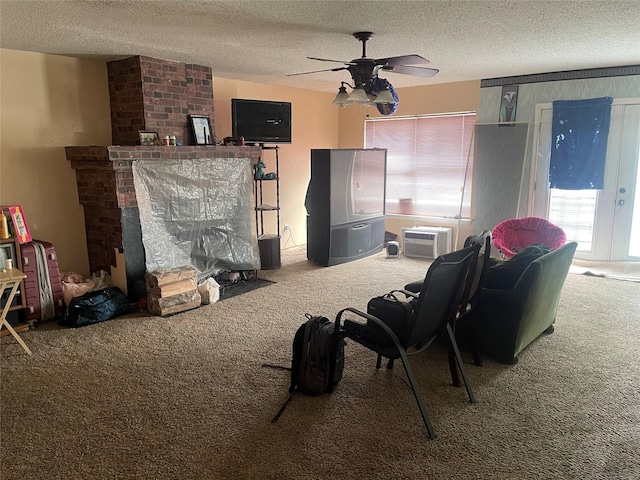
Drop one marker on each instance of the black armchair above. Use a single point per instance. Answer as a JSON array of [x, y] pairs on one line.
[[434, 308], [507, 316]]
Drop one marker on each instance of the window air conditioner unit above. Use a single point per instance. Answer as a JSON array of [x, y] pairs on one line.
[[426, 242]]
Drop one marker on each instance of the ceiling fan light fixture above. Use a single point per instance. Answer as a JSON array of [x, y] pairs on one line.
[[358, 95], [342, 97], [384, 96]]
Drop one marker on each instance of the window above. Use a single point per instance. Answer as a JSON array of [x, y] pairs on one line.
[[426, 162], [575, 212]]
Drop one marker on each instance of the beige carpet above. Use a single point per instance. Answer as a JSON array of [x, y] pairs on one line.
[[629, 271], [185, 397]]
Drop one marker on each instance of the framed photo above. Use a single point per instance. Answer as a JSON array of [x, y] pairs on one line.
[[508, 104], [148, 138], [201, 129]]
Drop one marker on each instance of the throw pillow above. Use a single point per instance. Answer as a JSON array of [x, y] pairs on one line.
[[504, 275]]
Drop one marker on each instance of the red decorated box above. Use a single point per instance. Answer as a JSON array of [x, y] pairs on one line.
[[20, 227]]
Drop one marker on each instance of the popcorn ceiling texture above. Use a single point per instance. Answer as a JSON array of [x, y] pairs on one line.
[[263, 42]]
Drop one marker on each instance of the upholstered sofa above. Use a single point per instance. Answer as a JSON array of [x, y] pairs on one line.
[[505, 318]]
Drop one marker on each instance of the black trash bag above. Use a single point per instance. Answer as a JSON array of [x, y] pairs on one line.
[[96, 306]]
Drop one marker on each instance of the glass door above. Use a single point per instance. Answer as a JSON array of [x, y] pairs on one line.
[[605, 223]]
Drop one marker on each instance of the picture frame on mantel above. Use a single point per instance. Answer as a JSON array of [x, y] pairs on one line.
[[201, 129], [148, 138]]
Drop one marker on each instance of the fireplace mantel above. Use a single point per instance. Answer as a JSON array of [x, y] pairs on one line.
[[118, 159]]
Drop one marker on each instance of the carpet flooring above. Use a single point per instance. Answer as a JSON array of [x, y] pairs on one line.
[[186, 397]]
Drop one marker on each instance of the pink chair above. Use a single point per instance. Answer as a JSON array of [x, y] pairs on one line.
[[515, 234]]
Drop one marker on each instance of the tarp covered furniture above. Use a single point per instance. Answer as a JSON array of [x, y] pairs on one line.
[[504, 321], [514, 234]]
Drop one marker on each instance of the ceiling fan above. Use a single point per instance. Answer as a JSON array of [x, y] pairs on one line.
[[367, 86]]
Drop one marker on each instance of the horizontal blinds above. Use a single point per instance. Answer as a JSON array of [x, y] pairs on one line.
[[426, 162]]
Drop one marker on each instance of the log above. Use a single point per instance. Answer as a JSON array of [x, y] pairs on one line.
[[163, 276], [181, 302], [174, 288]]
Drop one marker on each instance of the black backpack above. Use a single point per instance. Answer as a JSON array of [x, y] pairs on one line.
[[318, 357]]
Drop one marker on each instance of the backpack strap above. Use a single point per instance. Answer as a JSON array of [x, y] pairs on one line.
[[333, 356], [300, 352], [391, 296], [281, 411], [308, 328], [296, 357]]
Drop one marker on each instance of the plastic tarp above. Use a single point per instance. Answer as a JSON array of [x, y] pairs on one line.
[[197, 212]]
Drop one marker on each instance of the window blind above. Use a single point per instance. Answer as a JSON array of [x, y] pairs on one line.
[[426, 162]]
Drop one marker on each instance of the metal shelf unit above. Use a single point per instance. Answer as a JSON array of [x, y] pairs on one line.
[[268, 243]]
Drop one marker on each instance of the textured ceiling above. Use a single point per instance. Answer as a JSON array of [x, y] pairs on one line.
[[263, 41]]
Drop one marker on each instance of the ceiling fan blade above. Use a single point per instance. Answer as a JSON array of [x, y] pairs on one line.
[[328, 60], [318, 71], [403, 60], [416, 71]]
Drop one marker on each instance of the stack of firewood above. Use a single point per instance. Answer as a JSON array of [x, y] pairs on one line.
[[172, 290]]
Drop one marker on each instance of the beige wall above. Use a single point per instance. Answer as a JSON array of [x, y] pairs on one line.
[[314, 125], [432, 99], [48, 102]]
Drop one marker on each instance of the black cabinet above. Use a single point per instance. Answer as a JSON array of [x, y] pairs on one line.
[[265, 179], [345, 204]]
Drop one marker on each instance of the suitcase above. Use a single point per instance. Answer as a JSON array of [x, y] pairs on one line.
[[395, 313], [52, 306]]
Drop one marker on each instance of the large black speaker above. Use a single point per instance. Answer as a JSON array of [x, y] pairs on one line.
[[351, 241]]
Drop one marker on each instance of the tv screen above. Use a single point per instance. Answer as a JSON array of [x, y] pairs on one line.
[[261, 121], [358, 180]]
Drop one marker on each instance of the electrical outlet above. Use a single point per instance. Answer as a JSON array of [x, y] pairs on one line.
[[287, 228]]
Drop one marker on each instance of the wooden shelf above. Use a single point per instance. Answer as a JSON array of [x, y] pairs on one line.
[[22, 327], [17, 263]]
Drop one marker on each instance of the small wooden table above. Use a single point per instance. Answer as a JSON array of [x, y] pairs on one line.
[[12, 275]]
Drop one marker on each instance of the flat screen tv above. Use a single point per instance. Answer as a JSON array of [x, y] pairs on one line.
[[261, 121]]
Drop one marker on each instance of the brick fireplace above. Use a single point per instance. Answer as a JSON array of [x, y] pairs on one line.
[[145, 94], [157, 95]]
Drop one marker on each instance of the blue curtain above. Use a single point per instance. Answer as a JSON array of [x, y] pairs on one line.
[[580, 130]]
